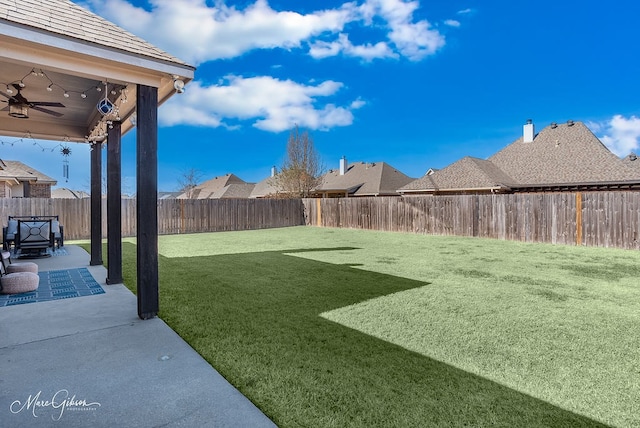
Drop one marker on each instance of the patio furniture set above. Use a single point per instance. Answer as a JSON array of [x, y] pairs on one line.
[[27, 236]]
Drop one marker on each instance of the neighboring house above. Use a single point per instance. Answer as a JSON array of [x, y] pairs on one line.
[[266, 188], [168, 195], [18, 180], [226, 186], [361, 179], [562, 157], [64, 193]]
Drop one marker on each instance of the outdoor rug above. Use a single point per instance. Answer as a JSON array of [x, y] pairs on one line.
[[15, 254], [55, 285]]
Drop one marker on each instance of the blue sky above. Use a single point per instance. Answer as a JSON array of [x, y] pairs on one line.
[[416, 84]]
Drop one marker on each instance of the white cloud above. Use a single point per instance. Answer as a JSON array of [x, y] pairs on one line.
[[343, 45], [620, 134], [272, 104], [452, 23], [414, 40], [465, 11], [196, 32]]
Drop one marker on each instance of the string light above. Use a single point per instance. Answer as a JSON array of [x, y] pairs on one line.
[[27, 138], [111, 111], [38, 73]]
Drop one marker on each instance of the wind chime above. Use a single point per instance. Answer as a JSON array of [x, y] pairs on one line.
[[65, 151]]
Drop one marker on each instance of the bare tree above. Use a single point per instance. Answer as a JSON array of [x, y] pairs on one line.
[[301, 170], [188, 181]]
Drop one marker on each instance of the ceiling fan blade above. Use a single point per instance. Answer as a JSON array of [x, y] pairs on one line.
[[8, 96], [44, 110], [44, 104]]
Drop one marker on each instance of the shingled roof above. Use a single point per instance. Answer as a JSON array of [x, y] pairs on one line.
[[363, 179], [67, 19], [208, 189], [233, 191], [64, 193], [17, 171], [560, 156], [264, 188], [632, 161], [468, 172]]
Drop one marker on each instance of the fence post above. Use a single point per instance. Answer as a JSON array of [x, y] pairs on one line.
[[318, 212], [578, 218]]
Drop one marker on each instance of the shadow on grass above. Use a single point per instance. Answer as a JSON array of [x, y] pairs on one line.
[[255, 318]]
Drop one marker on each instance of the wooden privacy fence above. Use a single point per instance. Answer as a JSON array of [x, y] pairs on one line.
[[604, 219], [174, 215]]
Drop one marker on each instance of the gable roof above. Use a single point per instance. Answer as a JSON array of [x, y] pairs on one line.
[[233, 191], [17, 171], [468, 172], [560, 156], [65, 18], [64, 193], [209, 187], [364, 179], [264, 188]]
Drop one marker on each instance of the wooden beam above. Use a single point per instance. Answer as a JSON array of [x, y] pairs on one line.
[[96, 204], [114, 205], [147, 206]]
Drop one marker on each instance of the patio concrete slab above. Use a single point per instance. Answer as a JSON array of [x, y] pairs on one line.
[[89, 361]]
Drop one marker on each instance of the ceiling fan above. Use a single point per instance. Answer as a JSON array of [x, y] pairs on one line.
[[19, 106]]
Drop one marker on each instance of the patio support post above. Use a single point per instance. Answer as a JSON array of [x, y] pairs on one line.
[[147, 206], [96, 204], [114, 205]]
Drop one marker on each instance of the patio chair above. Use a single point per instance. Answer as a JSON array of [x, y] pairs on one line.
[[18, 282], [34, 237], [57, 234], [9, 234], [11, 267]]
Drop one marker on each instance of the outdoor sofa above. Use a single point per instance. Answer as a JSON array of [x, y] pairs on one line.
[[32, 233]]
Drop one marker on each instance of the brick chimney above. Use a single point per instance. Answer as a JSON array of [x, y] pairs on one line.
[[343, 165], [528, 132]]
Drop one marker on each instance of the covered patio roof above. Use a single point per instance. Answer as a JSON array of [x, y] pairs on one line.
[[49, 49], [67, 74]]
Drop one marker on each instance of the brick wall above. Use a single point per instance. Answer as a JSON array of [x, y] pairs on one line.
[[39, 190]]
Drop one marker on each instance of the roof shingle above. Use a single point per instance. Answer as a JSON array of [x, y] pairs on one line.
[[10, 169], [364, 179], [65, 18], [560, 155]]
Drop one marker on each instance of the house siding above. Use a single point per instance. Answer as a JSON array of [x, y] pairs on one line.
[[5, 190]]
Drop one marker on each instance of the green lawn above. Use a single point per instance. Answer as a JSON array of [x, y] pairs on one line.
[[328, 327]]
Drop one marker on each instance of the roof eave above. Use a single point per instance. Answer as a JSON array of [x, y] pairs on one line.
[[460, 189], [602, 185]]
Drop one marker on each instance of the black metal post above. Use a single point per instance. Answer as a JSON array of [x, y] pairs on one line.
[[114, 204], [96, 205], [147, 201]]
